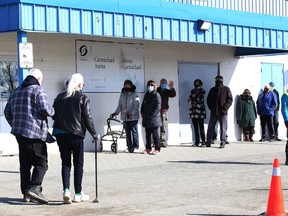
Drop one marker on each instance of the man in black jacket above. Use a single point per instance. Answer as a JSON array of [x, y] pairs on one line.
[[219, 100]]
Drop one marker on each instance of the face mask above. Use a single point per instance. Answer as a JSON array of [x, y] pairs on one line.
[[163, 86], [127, 89], [272, 88], [266, 90], [150, 88], [218, 83], [246, 96]]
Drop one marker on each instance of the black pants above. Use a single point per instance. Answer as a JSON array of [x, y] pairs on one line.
[[267, 119], [32, 152], [71, 144], [198, 125], [155, 134]]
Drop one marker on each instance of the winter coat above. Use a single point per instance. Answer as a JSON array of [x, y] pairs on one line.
[[165, 95], [128, 104], [72, 114], [219, 100], [27, 111], [266, 103], [197, 106], [150, 110], [246, 113], [284, 106]]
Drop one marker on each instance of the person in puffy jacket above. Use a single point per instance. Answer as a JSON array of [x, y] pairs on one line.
[[219, 100], [71, 120], [246, 115], [151, 117], [128, 105], [266, 104], [284, 111]]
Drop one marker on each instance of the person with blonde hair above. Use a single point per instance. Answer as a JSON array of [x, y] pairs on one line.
[[71, 120], [151, 117], [26, 112]]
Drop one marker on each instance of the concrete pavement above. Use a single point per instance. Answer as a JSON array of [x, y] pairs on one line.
[[182, 180]]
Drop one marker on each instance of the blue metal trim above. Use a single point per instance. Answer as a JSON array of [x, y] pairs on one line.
[[232, 28], [22, 72]]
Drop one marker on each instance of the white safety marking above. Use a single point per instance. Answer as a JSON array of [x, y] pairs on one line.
[[276, 171]]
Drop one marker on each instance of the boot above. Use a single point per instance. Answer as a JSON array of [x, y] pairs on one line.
[[246, 137], [251, 137]]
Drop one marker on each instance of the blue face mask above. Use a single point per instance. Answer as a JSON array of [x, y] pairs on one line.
[[163, 86], [150, 88]]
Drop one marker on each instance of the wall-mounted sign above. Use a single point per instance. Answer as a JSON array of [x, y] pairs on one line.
[[26, 55], [105, 66]]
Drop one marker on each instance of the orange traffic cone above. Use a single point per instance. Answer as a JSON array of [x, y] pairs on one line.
[[275, 206]]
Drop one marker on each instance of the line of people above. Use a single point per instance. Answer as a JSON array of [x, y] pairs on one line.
[[153, 110], [220, 99]]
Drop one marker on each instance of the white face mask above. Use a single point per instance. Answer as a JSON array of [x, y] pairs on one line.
[[150, 88]]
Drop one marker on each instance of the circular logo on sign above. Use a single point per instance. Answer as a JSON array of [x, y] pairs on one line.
[[83, 50]]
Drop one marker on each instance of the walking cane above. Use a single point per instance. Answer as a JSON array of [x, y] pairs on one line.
[[96, 183]]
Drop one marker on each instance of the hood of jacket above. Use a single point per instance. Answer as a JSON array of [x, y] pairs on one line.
[[133, 88], [30, 80]]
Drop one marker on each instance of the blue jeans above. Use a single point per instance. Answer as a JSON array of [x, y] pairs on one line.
[[69, 143], [222, 119], [131, 130]]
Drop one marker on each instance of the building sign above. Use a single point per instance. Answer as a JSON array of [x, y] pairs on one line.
[[26, 55], [105, 66]]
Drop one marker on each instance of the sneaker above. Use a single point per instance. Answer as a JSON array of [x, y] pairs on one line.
[[26, 199], [163, 145], [80, 197], [126, 150], [156, 152], [226, 142], [35, 193], [147, 151], [277, 139], [67, 196], [136, 150]]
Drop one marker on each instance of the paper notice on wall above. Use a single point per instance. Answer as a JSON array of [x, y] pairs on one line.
[[105, 66]]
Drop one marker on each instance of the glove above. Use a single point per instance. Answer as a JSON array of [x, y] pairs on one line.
[[286, 124], [112, 115], [129, 115]]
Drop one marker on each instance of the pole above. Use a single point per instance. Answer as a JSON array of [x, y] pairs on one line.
[[96, 182]]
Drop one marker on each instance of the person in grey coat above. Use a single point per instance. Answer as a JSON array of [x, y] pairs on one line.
[[151, 117], [246, 115], [128, 105]]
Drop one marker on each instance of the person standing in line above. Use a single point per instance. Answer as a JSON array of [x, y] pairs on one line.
[[165, 95], [26, 112], [219, 100], [128, 105], [246, 115], [197, 111], [276, 111], [151, 117], [284, 111], [266, 104], [71, 120]]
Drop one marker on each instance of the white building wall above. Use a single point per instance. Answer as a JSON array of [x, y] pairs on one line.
[[55, 56]]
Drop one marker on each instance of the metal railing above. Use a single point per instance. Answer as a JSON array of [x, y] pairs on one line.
[[268, 7]]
